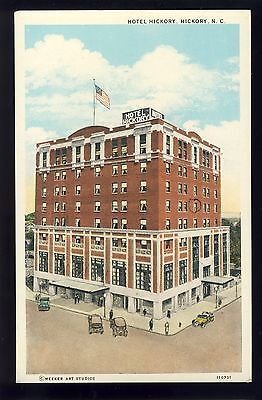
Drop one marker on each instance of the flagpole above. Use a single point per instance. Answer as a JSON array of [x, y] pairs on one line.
[[94, 104]]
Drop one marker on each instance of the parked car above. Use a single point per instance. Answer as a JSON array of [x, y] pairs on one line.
[[203, 319], [95, 324], [43, 304], [119, 327]]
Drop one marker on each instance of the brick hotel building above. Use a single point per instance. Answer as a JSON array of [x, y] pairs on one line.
[[130, 217]]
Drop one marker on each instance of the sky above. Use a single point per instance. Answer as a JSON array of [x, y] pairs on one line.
[[190, 73]]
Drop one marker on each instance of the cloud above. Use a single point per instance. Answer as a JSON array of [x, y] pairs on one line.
[[37, 134]]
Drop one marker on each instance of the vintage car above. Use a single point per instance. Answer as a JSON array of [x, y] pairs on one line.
[[95, 324], [119, 327], [203, 319], [43, 304]]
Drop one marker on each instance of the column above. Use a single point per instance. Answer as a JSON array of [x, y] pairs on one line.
[[173, 304], [131, 305], [157, 310], [36, 284]]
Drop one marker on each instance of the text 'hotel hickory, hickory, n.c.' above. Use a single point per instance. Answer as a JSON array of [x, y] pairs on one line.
[[130, 217]]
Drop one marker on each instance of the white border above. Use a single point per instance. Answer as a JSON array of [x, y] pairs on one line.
[[241, 17]]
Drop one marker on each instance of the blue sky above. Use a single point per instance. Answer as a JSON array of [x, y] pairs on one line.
[[190, 73]]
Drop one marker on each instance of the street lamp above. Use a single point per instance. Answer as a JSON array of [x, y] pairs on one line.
[[104, 305], [216, 290]]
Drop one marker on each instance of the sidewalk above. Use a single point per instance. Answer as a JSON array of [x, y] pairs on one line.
[[135, 320]]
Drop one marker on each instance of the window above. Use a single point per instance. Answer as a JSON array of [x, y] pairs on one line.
[[168, 144], [180, 188], [44, 159], [195, 173], [57, 176], [114, 148], [123, 187], [215, 207], [205, 158], [44, 221], [142, 186], [208, 192], [216, 255], [124, 169], [180, 223], [56, 193], [44, 207], [77, 266], [57, 238], [124, 146], [167, 186], [185, 189], [167, 244], [204, 177], [78, 190], [43, 261], [185, 171], [97, 151], [182, 272], [97, 223], [168, 168], [204, 207], [215, 162], [78, 154], [142, 144], [224, 248], [195, 223], [56, 207], [97, 269], [204, 223], [185, 223], [57, 222], [77, 206], [183, 242], [215, 194], [195, 154], [59, 264], [208, 207], [114, 223], [63, 190], [143, 205], [97, 171], [57, 157], [185, 206], [64, 151], [167, 224], [114, 187], [63, 221], [114, 169], [97, 188], [215, 222], [195, 190], [143, 167], [63, 175], [114, 242], [123, 223], [208, 223], [97, 206], [123, 205], [168, 205], [204, 192], [215, 178], [207, 177], [114, 205], [195, 206], [63, 206], [180, 170], [143, 224], [77, 222], [78, 173], [179, 152], [185, 150], [168, 276], [44, 192], [143, 277], [44, 177], [206, 271], [118, 273], [206, 246], [180, 206]]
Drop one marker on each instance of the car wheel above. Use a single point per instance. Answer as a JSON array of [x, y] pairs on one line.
[[203, 325]]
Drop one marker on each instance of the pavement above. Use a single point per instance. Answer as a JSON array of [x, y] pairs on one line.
[[178, 321]]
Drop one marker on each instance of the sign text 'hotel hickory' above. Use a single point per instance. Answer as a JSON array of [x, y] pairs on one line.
[[141, 115]]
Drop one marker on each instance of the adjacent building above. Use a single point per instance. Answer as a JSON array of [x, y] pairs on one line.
[[130, 216]]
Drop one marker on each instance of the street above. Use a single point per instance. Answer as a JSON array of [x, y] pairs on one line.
[[58, 342]]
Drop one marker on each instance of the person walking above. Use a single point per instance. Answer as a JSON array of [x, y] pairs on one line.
[[75, 298], [151, 324], [168, 314], [179, 324], [166, 328], [144, 312]]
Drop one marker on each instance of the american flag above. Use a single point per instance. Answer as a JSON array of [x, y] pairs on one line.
[[102, 97]]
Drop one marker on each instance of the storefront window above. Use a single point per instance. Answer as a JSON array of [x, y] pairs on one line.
[[77, 266], [143, 277], [97, 269]]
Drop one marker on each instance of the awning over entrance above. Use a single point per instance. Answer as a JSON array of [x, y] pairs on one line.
[[84, 286], [217, 280]]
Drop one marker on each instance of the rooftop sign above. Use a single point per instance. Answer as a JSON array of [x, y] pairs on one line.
[[140, 115]]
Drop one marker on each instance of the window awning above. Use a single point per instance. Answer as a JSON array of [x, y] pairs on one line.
[[84, 286], [217, 280]]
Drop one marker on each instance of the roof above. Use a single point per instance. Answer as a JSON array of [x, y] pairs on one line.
[[218, 280]]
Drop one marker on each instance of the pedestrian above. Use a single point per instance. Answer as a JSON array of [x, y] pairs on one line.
[[198, 299], [151, 324], [144, 312], [166, 328], [219, 302], [168, 314], [179, 324], [75, 298], [111, 314]]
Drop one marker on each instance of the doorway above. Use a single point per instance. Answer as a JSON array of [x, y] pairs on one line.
[[206, 289]]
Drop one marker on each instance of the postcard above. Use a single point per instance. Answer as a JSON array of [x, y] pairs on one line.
[[133, 196]]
